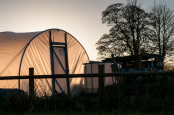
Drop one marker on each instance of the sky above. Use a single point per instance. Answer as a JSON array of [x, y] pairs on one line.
[[80, 18]]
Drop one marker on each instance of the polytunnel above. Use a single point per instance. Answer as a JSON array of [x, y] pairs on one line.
[[50, 52]]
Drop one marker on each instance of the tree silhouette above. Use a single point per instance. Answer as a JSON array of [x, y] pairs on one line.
[[163, 29], [131, 29]]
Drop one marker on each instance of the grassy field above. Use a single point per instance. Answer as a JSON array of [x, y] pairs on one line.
[[150, 97]]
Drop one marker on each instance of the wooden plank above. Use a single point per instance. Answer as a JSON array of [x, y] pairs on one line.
[[66, 65], [165, 73], [58, 43], [52, 63]]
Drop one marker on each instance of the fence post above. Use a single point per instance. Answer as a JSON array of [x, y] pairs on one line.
[[101, 78], [31, 82]]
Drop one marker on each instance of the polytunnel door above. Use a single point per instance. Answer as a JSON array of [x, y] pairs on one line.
[[59, 68]]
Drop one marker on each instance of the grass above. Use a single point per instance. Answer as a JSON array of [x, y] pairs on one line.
[[140, 98], [93, 113]]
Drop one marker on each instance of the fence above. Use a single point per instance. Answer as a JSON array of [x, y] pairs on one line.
[[31, 77], [143, 97]]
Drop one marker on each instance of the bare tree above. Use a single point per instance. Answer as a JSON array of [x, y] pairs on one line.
[[130, 29], [163, 28]]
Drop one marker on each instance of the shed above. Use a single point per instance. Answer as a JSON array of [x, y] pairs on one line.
[[91, 84], [133, 63]]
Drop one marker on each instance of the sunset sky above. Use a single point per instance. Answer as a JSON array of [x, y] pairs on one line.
[[80, 18]]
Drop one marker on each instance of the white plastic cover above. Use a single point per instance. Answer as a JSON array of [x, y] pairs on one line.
[[91, 84], [20, 51]]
